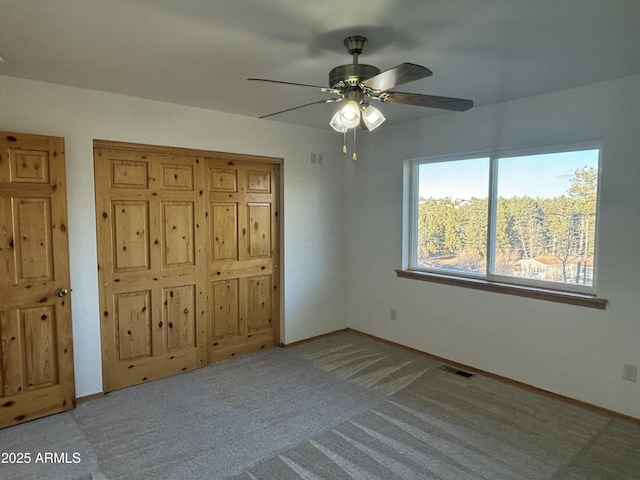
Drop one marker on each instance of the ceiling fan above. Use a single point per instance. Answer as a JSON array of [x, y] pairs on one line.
[[356, 83]]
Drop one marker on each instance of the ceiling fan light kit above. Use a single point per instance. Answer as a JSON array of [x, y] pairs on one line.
[[355, 82]]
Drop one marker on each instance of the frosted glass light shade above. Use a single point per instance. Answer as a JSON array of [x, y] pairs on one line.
[[372, 117], [336, 123], [347, 117], [350, 114]]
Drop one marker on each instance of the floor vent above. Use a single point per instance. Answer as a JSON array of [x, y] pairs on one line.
[[455, 371]]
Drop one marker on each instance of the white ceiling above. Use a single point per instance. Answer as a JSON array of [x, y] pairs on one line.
[[200, 52]]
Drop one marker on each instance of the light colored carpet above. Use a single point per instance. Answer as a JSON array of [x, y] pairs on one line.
[[346, 406]]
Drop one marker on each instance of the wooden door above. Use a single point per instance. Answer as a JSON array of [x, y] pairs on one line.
[[243, 245], [36, 351], [152, 264]]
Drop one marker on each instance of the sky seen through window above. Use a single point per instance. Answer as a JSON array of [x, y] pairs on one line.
[[537, 176]]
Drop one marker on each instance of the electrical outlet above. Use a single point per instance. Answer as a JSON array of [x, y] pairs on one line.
[[630, 372], [314, 159], [393, 315]]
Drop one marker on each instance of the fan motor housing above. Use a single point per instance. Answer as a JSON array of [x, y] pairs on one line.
[[351, 75]]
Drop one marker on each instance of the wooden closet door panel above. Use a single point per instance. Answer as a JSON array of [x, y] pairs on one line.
[[133, 327], [179, 316], [130, 230]]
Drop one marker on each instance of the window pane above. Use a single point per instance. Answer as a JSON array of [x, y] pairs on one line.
[[452, 215], [546, 216]]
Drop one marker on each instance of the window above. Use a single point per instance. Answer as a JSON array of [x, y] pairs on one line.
[[524, 219]]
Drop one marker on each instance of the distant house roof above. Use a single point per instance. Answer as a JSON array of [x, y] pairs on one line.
[[548, 260]]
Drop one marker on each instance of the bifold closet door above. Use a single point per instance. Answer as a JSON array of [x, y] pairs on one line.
[[188, 257]]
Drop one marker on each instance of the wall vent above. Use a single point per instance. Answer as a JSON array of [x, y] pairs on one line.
[[455, 371]]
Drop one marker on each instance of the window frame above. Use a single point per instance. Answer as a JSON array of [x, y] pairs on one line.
[[410, 227]]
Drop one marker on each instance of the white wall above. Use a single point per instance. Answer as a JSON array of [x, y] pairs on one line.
[[574, 351], [314, 216]]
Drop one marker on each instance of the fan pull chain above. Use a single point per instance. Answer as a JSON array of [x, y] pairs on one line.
[[354, 156], [344, 143]]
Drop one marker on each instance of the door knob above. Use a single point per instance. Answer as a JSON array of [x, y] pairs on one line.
[[61, 292]]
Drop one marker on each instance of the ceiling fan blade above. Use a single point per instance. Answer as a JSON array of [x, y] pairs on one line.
[[398, 75], [323, 89], [326, 100], [430, 101]]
